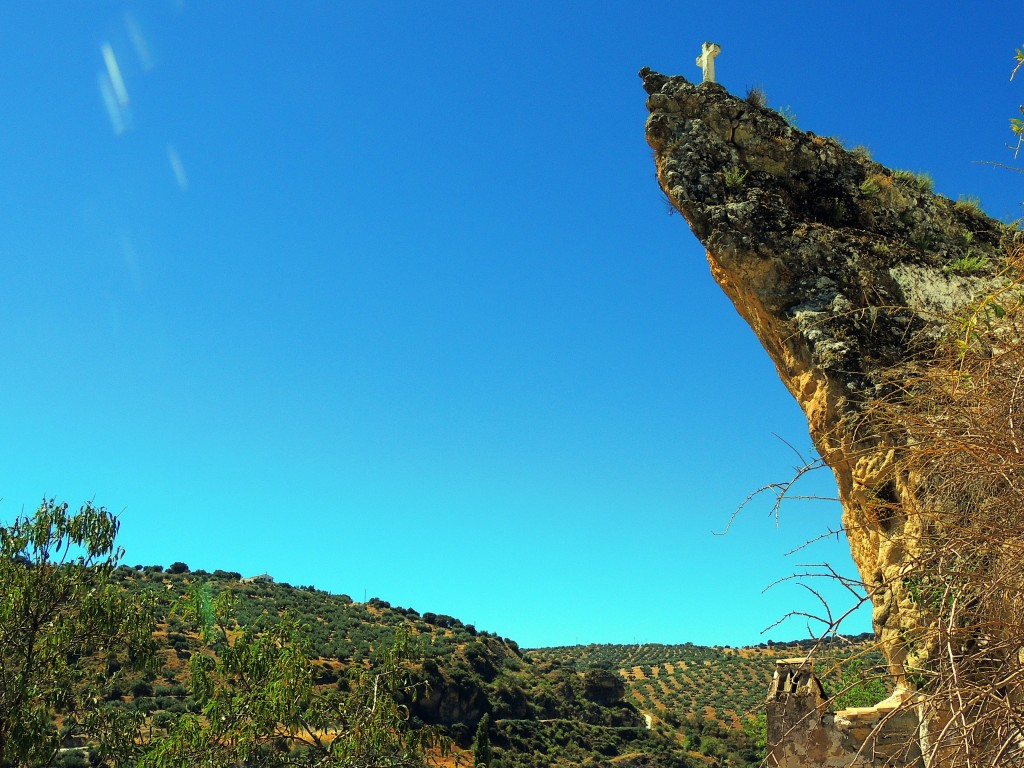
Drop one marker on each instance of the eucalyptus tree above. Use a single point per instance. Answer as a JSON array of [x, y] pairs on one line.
[[61, 620]]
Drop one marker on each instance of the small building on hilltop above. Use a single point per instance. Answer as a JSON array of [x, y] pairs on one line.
[[263, 578]]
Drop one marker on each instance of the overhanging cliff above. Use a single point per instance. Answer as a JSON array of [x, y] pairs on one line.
[[841, 267]]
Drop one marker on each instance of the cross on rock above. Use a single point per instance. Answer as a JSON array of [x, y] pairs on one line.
[[706, 60]]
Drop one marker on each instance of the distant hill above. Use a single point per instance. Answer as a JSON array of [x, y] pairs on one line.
[[673, 681], [571, 706]]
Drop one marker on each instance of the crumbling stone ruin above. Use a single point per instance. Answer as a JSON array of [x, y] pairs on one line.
[[804, 732]]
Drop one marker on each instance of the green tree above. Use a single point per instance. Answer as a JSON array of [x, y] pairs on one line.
[[261, 706], [57, 607], [756, 729], [859, 687], [482, 743]]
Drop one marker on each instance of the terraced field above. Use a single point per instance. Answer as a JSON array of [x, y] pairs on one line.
[[678, 680]]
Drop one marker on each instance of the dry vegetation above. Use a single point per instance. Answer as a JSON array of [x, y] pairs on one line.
[[959, 422]]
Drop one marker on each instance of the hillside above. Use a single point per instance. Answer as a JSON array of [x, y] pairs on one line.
[[672, 682], [556, 706]]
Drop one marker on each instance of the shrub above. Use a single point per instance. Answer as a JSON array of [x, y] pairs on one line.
[[967, 265], [734, 177], [756, 96], [920, 181], [72, 758], [969, 204], [880, 187]]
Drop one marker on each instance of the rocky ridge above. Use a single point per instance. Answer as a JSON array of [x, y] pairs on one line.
[[841, 266]]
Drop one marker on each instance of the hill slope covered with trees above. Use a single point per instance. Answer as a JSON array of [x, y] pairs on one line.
[[109, 664]]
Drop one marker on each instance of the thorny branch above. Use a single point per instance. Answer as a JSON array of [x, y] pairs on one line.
[[781, 490]]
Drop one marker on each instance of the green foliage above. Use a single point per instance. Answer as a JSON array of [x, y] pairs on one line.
[[969, 204], [271, 674], [974, 326], [860, 686], [482, 743], [260, 704], [688, 678], [77, 633], [904, 177], [922, 240], [563, 742], [921, 181], [861, 151], [57, 604], [968, 265], [734, 177], [880, 187], [870, 187], [756, 729]]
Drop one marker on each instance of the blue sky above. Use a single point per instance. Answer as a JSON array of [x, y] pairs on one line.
[[384, 298]]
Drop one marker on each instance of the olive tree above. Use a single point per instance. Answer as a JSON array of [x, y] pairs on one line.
[[58, 611]]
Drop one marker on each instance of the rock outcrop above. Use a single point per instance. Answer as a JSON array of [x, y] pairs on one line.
[[841, 267]]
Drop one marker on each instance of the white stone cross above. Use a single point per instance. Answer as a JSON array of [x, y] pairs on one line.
[[706, 60]]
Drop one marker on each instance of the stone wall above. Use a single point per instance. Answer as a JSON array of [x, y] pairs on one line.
[[804, 733]]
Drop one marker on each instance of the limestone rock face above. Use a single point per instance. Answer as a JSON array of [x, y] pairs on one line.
[[837, 263]]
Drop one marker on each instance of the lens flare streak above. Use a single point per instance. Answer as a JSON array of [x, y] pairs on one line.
[[113, 91], [114, 73], [142, 49], [177, 168], [110, 102]]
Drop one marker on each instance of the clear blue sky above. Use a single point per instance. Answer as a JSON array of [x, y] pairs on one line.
[[384, 298]]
